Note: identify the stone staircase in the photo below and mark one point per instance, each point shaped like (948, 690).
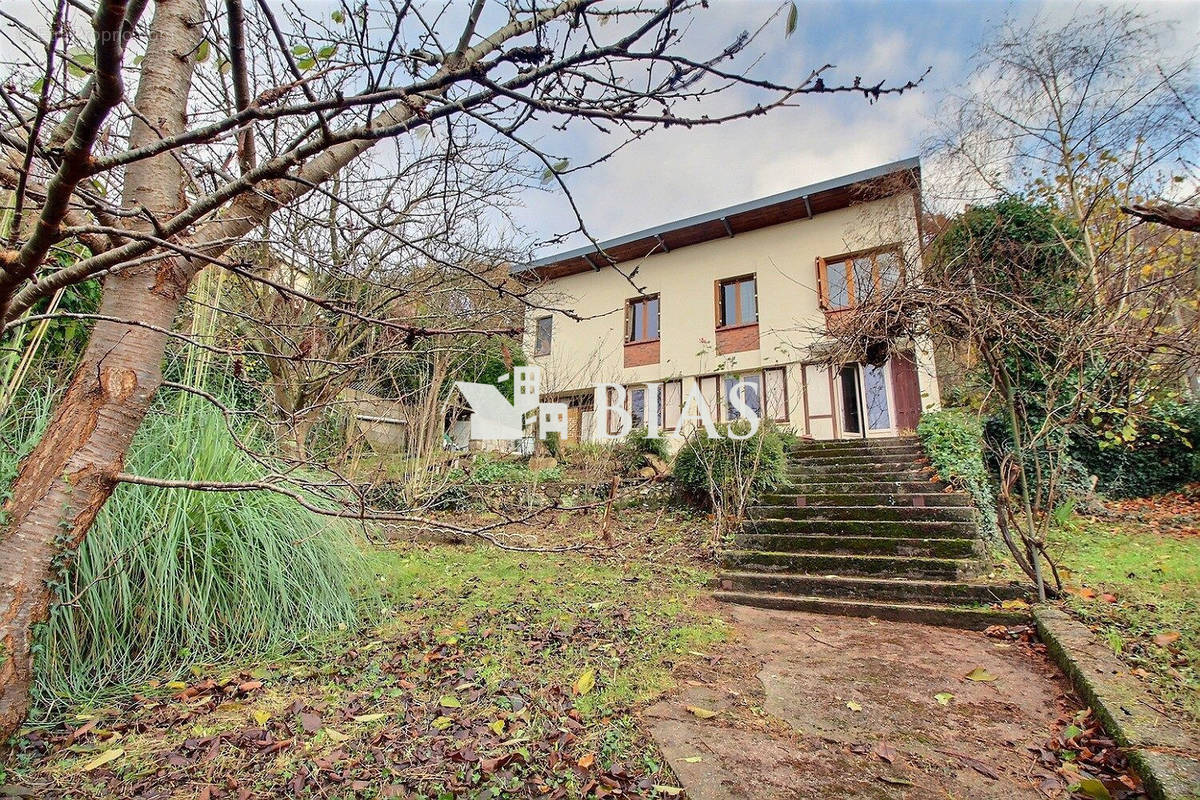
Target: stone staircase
(864, 530)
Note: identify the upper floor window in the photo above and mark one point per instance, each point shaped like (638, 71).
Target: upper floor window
(847, 281)
(541, 339)
(641, 319)
(737, 302)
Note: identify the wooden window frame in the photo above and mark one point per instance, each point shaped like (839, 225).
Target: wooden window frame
(644, 302)
(851, 291)
(782, 370)
(537, 329)
(719, 296)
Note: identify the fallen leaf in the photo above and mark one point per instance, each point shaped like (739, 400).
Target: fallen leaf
(886, 752)
(585, 682)
(310, 722)
(693, 759)
(449, 701)
(441, 723)
(336, 736)
(103, 758)
(979, 674)
(943, 698)
(1166, 638)
(853, 706)
(497, 726)
(261, 717)
(672, 791)
(587, 760)
(371, 717)
(702, 713)
(1093, 789)
(1014, 604)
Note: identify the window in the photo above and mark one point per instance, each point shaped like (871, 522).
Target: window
(641, 319)
(751, 394)
(541, 341)
(737, 302)
(672, 403)
(637, 405)
(847, 281)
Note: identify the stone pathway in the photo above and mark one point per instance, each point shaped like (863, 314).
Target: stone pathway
(788, 689)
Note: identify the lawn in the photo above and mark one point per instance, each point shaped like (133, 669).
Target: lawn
(487, 673)
(1138, 585)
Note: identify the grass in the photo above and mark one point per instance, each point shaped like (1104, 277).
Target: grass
(1153, 582)
(167, 580)
(491, 674)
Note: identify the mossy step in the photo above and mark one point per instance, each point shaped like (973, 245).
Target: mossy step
(837, 486)
(950, 616)
(859, 473)
(860, 545)
(832, 564)
(922, 529)
(881, 513)
(837, 444)
(888, 457)
(895, 500)
(869, 588)
(874, 465)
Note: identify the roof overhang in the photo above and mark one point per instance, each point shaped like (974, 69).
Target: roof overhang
(898, 177)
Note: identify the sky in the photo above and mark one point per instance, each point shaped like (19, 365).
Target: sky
(676, 173)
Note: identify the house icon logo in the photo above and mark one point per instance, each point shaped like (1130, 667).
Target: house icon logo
(494, 417)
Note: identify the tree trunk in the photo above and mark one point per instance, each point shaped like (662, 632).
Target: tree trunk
(68, 477)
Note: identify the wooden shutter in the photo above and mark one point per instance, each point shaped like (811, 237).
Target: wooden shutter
(774, 390)
(822, 283)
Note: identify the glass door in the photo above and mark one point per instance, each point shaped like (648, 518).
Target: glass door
(865, 395)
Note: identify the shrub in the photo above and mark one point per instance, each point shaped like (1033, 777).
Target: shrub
(953, 440)
(731, 470)
(168, 579)
(1160, 454)
(631, 451)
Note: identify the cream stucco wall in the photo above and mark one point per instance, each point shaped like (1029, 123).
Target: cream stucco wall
(783, 257)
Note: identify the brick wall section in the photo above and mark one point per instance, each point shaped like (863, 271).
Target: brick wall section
(639, 354)
(737, 340)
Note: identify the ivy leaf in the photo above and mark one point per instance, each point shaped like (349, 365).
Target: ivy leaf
(980, 674)
(306, 64)
(326, 53)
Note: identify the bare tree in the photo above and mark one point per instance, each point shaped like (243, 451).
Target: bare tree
(162, 135)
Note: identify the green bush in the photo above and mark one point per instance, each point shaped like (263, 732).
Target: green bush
(169, 579)
(953, 440)
(631, 451)
(489, 470)
(756, 463)
(1158, 455)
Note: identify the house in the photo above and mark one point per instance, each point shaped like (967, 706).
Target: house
(742, 293)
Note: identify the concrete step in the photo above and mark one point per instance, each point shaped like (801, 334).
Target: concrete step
(879, 513)
(861, 545)
(884, 457)
(858, 474)
(895, 500)
(967, 617)
(876, 469)
(920, 529)
(829, 445)
(834, 564)
(837, 485)
(868, 588)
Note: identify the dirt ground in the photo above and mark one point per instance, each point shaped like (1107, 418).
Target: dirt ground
(811, 706)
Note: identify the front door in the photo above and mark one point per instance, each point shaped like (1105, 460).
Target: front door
(865, 401)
